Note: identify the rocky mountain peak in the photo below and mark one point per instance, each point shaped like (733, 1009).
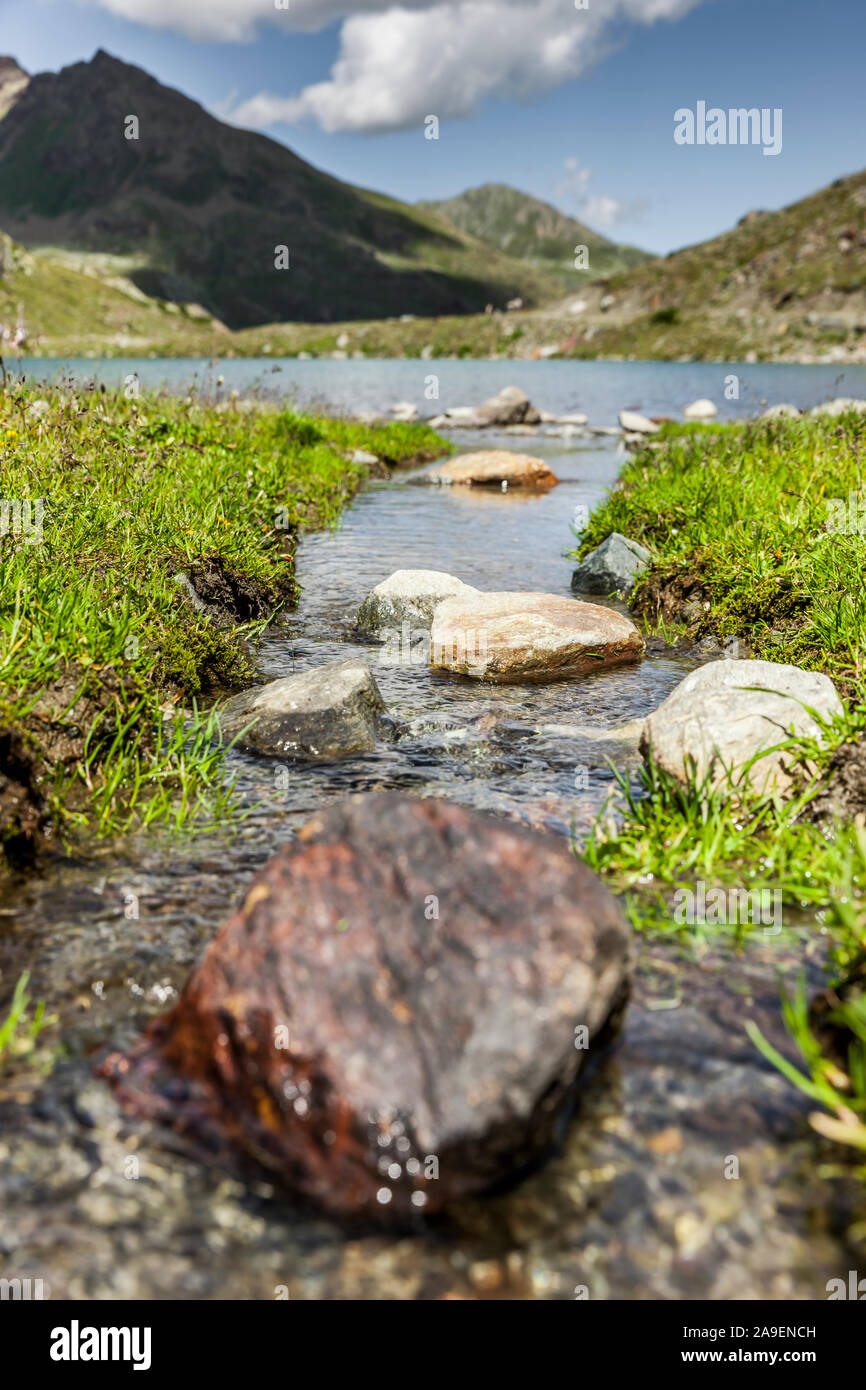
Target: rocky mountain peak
(13, 80)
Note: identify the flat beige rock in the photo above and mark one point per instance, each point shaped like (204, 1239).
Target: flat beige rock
(493, 467)
(529, 637)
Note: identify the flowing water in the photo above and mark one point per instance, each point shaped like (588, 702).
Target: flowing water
(689, 1171)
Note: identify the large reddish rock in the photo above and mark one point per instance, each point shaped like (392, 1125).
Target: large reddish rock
(396, 1016)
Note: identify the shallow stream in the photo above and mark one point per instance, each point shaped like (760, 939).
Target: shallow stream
(642, 1201)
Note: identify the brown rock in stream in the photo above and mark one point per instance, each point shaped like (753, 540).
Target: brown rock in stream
(514, 637)
(390, 1022)
(493, 467)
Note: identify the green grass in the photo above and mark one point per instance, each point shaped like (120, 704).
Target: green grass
(742, 511)
(738, 515)
(841, 1090)
(99, 647)
(737, 519)
(20, 1030)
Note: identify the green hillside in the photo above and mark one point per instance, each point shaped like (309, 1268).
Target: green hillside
(518, 225)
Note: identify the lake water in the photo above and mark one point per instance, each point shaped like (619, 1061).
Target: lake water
(600, 389)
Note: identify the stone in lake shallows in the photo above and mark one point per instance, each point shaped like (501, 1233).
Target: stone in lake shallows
(529, 637)
(700, 410)
(408, 596)
(784, 411)
(395, 1017)
(717, 720)
(633, 423)
(493, 467)
(612, 567)
(842, 405)
(326, 713)
(509, 407)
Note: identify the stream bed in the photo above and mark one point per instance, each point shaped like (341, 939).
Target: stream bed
(689, 1170)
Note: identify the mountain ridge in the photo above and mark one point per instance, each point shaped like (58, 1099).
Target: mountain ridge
(205, 214)
(521, 225)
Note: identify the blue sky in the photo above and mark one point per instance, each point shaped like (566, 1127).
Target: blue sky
(576, 107)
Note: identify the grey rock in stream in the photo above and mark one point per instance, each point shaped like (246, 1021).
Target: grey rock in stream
(612, 567)
(408, 596)
(510, 406)
(721, 717)
(330, 712)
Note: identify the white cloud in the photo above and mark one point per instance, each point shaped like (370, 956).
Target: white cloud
(231, 21)
(600, 210)
(596, 209)
(399, 63)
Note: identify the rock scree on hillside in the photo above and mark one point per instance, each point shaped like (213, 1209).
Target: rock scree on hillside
(493, 467)
(395, 1017)
(724, 714)
(530, 637)
(329, 712)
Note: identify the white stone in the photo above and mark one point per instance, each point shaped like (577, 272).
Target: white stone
(700, 410)
(633, 423)
(840, 406)
(530, 637)
(724, 714)
(408, 596)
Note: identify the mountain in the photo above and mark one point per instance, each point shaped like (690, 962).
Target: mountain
(780, 284)
(194, 210)
(523, 227)
(13, 80)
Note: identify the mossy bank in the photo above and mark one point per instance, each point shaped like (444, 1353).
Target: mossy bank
(142, 542)
(758, 549)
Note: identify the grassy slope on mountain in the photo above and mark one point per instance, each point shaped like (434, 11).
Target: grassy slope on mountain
(201, 207)
(72, 308)
(776, 283)
(782, 286)
(524, 227)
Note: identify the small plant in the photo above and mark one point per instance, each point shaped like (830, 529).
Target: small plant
(18, 1033)
(841, 1090)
